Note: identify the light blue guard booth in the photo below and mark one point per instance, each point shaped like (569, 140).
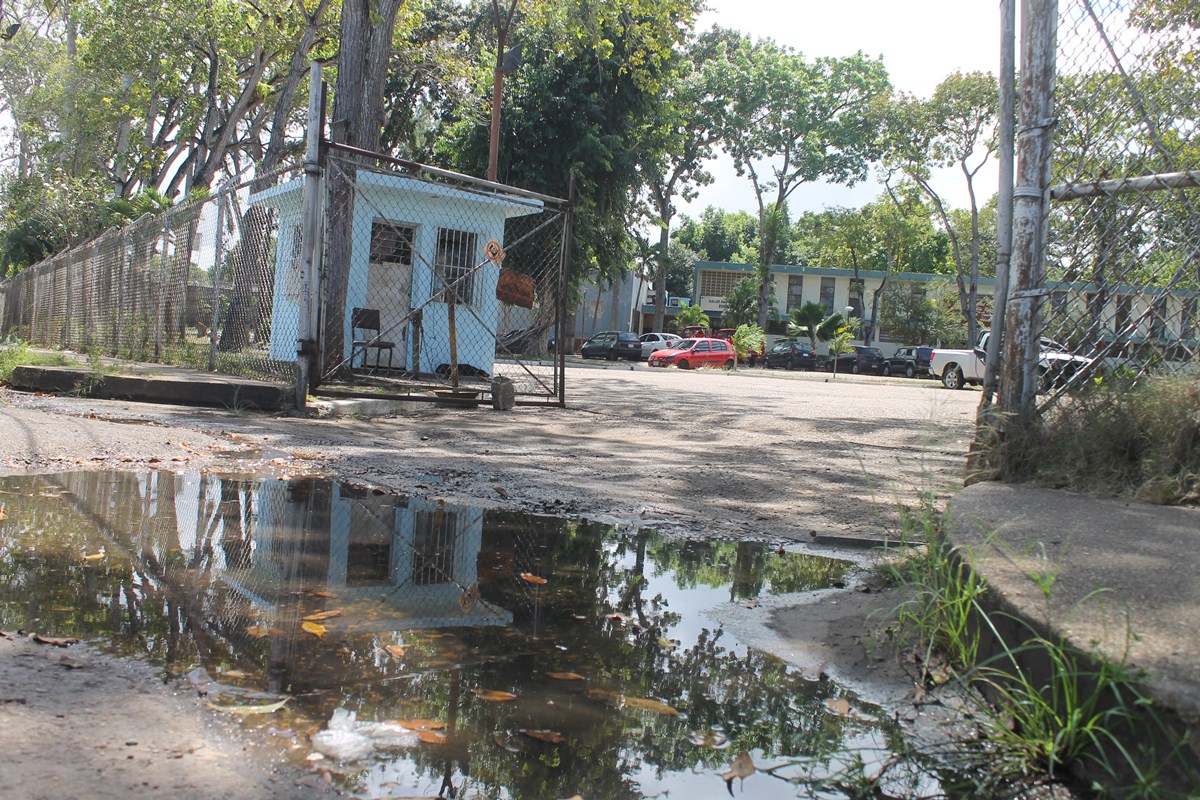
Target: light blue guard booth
(405, 233)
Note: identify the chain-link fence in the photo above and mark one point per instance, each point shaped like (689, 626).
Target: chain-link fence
(1114, 87)
(437, 285)
(193, 286)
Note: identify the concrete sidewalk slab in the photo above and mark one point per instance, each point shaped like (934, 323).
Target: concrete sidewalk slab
(1113, 577)
(161, 384)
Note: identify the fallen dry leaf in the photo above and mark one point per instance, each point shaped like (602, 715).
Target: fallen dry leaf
(553, 737)
(500, 492)
(3, 514)
(322, 615)
(493, 696)
(66, 642)
(420, 724)
(650, 705)
(5, 635)
(394, 650)
(839, 706)
(531, 578)
(94, 557)
(236, 674)
(565, 676)
(266, 708)
(325, 594)
(432, 737)
(316, 629)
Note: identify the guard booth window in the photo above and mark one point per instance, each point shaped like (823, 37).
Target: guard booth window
(457, 257)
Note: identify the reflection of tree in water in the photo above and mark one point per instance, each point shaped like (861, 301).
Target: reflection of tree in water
(183, 558)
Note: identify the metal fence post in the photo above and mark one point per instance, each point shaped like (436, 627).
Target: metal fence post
(218, 257)
(1004, 201)
(306, 341)
(1039, 41)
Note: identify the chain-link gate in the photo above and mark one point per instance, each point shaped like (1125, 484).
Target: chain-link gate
(1109, 296)
(438, 286)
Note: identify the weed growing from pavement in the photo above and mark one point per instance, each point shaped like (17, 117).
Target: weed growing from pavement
(1118, 439)
(18, 353)
(1050, 705)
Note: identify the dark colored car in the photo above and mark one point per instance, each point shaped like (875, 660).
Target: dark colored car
(613, 345)
(860, 359)
(787, 354)
(911, 361)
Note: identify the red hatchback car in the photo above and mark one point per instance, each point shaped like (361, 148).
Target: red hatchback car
(696, 352)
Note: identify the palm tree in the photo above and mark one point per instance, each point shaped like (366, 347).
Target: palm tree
(691, 315)
(812, 319)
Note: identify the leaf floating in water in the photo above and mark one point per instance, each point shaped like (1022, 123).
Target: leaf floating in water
(67, 642)
(325, 594)
(394, 650)
(236, 674)
(529, 577)
(742, 767)
(432, 737)
(650, 705)
(3, 514)
(603, 694)
(493, 696)
(268, 708)
(565, 676)
(552, 737)
(421, 724)
(322, 615)
(94, 557)
(619, 617)
(708, 738)
(316, 629)
(258, 631)
(839, 706)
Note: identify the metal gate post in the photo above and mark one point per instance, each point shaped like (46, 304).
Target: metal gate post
(1039, 44)
(306, 340)
(218, 257)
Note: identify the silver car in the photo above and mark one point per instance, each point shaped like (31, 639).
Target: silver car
(657, 341)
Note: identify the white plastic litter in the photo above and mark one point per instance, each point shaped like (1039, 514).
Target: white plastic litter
(346, 739)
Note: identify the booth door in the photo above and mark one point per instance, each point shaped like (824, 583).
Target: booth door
(389, 282)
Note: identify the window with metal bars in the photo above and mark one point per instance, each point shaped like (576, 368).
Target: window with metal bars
(795, 295)
(391, 243)
(457, 257)
(433, 547)
(719, 284)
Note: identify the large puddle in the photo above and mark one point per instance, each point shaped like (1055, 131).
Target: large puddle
(443, 650)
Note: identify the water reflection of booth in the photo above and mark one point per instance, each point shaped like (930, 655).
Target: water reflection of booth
(392, 566)
(409, 237)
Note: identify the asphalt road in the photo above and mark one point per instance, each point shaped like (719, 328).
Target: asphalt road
(768, 454)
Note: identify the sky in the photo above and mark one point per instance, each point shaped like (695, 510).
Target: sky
(920, 41)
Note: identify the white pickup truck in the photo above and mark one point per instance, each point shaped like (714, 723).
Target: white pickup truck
(957, 368)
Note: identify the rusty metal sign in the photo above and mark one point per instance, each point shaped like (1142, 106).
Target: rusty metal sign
(515, 288)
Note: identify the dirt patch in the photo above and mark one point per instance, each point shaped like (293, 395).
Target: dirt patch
(74, 723)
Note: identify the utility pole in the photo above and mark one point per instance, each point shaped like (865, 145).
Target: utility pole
(506, 64)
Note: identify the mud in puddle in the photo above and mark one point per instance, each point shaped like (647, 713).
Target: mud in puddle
(408, 647)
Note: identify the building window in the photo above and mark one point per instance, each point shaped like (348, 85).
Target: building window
(455, 264)
(856, 299)
(1158, 318)
(1123, 310)
(827, 286)
(391, 243)
(1187, 319)
(795, 295)
(720, 283)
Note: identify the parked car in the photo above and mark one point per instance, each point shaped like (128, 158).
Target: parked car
(790, 354)
(912, 361)
(858, 360)
(694, 332)
(515, 342)
(652, 342)
(1057, 365)
(613, 345)
(753, 358)
(693, 353)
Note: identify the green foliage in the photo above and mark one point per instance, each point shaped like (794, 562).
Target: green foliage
(748, 339)
(741, 306)
(691, 315)
(719, 235)
(18, 353)
(814, 321)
